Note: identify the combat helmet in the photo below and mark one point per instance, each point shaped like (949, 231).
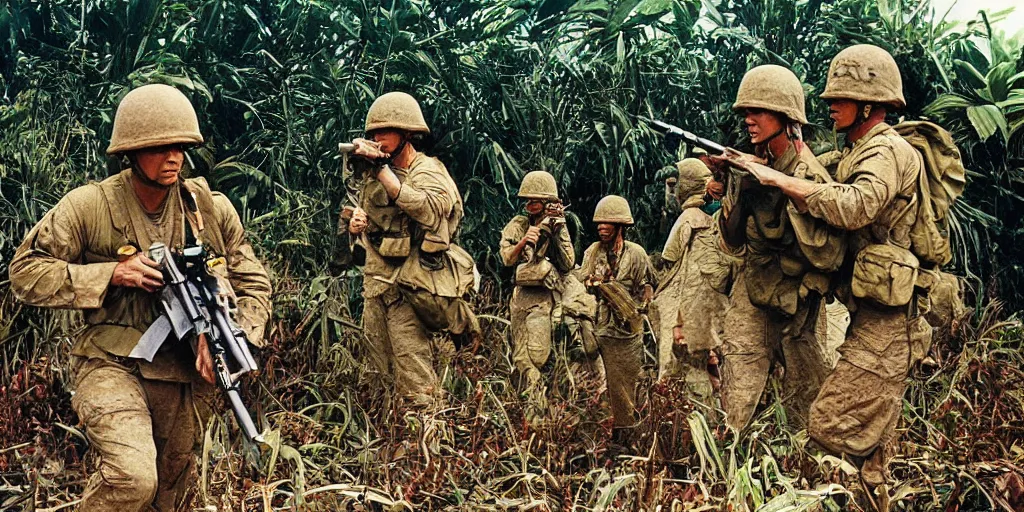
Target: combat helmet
(865, 73)
(613, 210)
(693, 177)
(153, 115)
(774, 88)
(539, 185)
(398, 111)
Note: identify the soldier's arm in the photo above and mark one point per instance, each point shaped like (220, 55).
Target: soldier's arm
(47, 269)
(587, 268)
(859, 202)
(565, 254)
(510, 246)
(247, 275)
(425, 197)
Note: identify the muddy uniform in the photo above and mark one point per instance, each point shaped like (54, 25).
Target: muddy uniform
(620, 344)
(138, 416)
(876, 182)
(776, 300)
(414, 276)
(534, 304)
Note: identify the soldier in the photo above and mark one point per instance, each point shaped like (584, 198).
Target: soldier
(682, 284)
(402, 231)
(538, 245)
(138, 416)
(619, 273)
(858, 406)
(775, 302)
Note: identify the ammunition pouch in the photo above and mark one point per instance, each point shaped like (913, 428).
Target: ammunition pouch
(885, 274)
(538, 272)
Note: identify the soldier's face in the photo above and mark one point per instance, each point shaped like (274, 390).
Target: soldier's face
(762, 124)
(607, 232)
(161, 164)
(389, 140)
(843, 113)
(534, 206)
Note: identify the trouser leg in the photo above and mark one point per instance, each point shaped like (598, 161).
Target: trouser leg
(859, 404)
(111, 403)
(412, 353)
(805, 363)
(175, 431)
(622, 362)
(746, 356)
(377, 343)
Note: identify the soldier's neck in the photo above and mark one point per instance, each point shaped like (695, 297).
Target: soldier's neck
(777, 147)
(876, 117)
(151, 198)
(405, 158)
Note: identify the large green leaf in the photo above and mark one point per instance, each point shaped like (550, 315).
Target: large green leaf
(987, 119)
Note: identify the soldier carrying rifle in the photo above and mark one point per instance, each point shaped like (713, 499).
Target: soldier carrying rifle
(84, 254)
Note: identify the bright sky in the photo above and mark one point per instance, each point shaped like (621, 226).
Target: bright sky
(966, 10)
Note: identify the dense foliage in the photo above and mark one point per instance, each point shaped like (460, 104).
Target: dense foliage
(508, 86)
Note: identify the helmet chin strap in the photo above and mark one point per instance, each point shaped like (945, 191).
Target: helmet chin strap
(138, 174)
(401, 147)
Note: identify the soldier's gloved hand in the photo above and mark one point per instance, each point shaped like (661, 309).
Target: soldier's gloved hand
(138, 272)
(369, 149)
(532, 235)
(204, 362)
(357, 223)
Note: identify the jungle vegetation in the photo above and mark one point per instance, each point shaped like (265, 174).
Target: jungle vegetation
(507, 86)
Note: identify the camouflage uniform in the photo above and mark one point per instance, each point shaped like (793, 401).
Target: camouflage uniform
(775, 302)
(399, 339)
(619, 342)
(534, 305)
(691, 295)
(859, 404)
(415, 276)
(138, 416)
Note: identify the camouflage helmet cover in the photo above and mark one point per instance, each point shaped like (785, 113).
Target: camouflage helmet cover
(866, 73)
(153, 115)
(397, 111)
(774, 88)
(613, 210)
(539, 185)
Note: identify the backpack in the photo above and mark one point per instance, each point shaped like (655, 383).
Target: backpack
(940, 183)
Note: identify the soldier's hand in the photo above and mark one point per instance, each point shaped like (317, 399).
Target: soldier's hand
(677, 334)
(368, 149)
(715, 189)
(358, 222)
(532, 235)
(138, 272)
(204, 362)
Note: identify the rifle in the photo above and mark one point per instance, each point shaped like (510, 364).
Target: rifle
(674, 135)
(194, 303)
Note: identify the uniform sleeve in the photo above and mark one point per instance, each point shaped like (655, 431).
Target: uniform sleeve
(565, 253)
(859, 202)
(245, 272)
(510, 236)
(426, 198)
(587, 268)
(674, 248)
(46, 269)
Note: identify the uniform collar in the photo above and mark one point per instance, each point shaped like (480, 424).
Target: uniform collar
(875, 130)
